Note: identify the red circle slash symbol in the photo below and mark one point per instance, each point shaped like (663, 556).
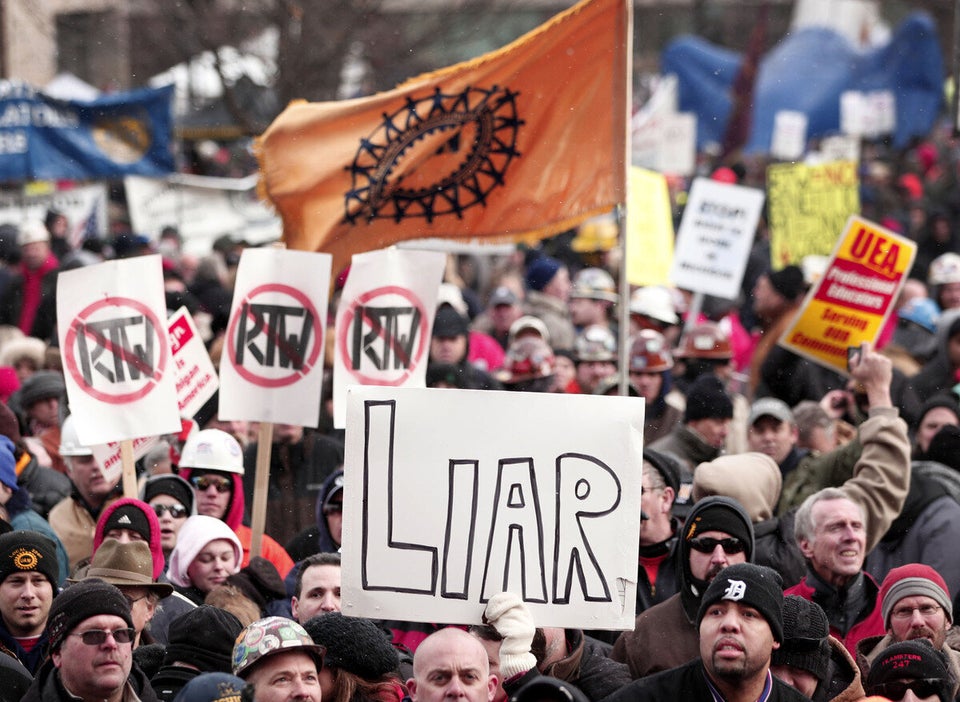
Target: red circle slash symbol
(116, 350)
(276, 331)
(382, 336)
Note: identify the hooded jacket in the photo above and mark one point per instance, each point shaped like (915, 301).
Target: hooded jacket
(675, 620)
(156, 551)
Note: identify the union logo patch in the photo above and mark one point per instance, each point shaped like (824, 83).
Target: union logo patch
(26, 559)
(437, 155)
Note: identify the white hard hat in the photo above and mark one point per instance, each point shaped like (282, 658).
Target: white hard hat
(945, 269)
(214, 450)
(32, 231)
(655, 302)
(69, 441)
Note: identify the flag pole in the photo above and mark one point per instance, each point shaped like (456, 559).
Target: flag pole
(621, 210)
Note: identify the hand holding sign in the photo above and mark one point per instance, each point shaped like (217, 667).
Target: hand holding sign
(507, 614)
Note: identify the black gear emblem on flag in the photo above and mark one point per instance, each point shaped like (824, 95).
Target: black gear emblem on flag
(479, 129)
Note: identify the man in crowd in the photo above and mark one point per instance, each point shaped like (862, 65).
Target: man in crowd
(28, 583)
(34, 286)
(129, 566)
(74, 519)
(740, 623)
(596, 357)
(317, 589)
(452, 664)
(915, 604)
(659, 554)
(548, 290)
(717, 534)
(91, 649)
(288, 671)
(592, 298)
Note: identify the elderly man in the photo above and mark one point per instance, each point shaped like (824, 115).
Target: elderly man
(740, 624)
(91, 649)
(452, 664)
(28, 583)
(915, 604)
(717, 534)
(290, 671)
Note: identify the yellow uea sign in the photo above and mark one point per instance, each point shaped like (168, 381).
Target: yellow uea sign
(850, 303)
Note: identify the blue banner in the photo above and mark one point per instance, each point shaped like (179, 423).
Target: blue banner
(116, 135)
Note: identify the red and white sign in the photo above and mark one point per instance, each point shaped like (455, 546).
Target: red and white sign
(116, 352)
(196, 377)
(109, 456)
(272, 364)
(384, 322)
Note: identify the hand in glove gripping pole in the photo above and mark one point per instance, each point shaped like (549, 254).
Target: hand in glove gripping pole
(507, 613)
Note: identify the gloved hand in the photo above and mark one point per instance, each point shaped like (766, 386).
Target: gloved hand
(507, 613)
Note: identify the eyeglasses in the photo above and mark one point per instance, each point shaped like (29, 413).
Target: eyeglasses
(926, 611)
(921, 687)
(176, 511)
(202, 482)
(97, 637)
(707, 544)
(133, 600)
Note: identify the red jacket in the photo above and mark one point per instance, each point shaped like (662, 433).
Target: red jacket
(871, 625)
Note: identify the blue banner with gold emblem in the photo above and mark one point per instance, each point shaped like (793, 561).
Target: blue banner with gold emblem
(120, 134)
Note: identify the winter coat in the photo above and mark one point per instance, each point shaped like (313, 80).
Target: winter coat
(47, 687)
(689, 684)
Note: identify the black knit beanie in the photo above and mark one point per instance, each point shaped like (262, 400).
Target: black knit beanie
(87, 598)
(357, 645)
(706, 399)
(666, 466)
(719, 517)
(203, 637)
(752, 585)
(130, 517)
(788, 281)
(172, 485)
(907, 660)
(22, 551)
(805, 643)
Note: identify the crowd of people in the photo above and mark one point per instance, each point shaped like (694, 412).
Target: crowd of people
(796, 526)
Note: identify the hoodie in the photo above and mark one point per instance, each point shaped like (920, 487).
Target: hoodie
(156, 551)
(938, 374)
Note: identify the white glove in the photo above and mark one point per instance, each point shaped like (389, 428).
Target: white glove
(507, 613)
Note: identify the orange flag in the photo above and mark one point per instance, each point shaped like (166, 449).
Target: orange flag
(517, 144)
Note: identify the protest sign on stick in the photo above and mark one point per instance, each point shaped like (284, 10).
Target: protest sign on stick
(852, 300)
(452, 496)
(272, 365)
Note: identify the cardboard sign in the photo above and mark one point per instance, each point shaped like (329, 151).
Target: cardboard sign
(715, 237)
(196, 377)
(384, 322)
(868, 114)
(789, 139)
(851, 302)
(272, 364)
(808, 206)
(452, 496)
(649, 232)
(116, 351)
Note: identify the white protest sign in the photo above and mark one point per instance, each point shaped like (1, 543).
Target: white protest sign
(202, 208)
(116, 351)
(451, 496)
(715, 237)
(110, 459)
(839, 147)
(196, 377)
(869, 114)
(272, 364)
(789, 139)
(384, 321)
(678, 147)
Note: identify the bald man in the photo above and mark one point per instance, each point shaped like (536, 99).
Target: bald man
(452, 663)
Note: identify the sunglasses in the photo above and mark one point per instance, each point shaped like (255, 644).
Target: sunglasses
(96, 637)
(921, 687)
(202, 482)
(707, 544)
(176, 511)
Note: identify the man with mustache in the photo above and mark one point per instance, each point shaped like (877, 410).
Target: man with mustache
(717, 533)
(915, 604)
(740, 624)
